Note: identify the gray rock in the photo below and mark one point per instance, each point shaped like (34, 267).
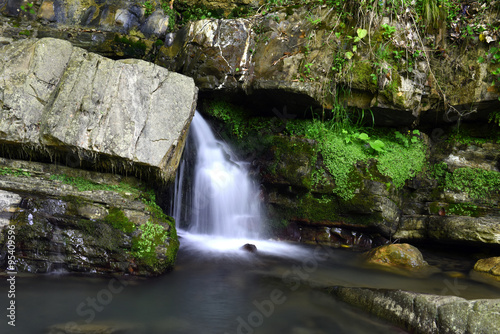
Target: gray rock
(73, 220)
(423, 313)
(156, 24)
(128, 114)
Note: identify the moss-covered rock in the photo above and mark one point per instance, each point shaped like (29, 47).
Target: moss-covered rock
(80, 221)
(423, 313)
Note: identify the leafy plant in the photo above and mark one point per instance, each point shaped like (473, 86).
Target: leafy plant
(388, 31)
(361, 34)
(18, 172)
(149, 8)
(28, 8)
(151, 236)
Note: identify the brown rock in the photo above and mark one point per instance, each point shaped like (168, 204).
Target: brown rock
(46, 11)
(397, 255)
(489, 266)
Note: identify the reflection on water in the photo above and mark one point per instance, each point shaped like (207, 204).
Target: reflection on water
(224, 292)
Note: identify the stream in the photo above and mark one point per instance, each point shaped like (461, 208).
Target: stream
(217, 287)
(225, 290)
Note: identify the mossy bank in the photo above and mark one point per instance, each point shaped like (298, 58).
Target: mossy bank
(85, 222)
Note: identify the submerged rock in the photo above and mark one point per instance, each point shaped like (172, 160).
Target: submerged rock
(60, 101)
(251, 248)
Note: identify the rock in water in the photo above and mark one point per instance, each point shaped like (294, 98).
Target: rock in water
(126, 115)
(397, 255)
(489, 266)
(251, 248)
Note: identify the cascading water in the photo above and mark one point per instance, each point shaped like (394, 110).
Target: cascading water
(216, 204)
(222, 200)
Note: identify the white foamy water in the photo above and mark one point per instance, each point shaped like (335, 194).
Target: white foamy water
(218, 245)
(223, 200)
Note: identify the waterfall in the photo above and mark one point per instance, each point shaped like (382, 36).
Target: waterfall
(214, 195)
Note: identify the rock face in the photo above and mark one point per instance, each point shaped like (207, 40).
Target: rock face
(455, 199)
(77, 221)
(426, 314)
(459, 203)
(61, 101)
(301, 56)
(397, 255)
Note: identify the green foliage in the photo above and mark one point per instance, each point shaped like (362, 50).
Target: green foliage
(230, 114)
(136, 48)
(495, 118)
(15, 172)
(152, 235)
(28, 8)
(388, 32)
(431, 12)
(118, 220)
(154, 209)
(477, 183)
(462, 209)
(25, 33)
(149, 8)
(341, 150)
(405, 140)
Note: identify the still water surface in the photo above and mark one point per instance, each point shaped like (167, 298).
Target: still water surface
(217, 288)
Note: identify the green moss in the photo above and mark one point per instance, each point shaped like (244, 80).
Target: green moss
(458, 209)
(294, 159)
(145, 246)
(343, 149)
(131, 47)
(463, 209)
(83, 184)
(362, 73)
(475, 182)
(118, 220)
(318, 208)
(401, 163)
(14, 172)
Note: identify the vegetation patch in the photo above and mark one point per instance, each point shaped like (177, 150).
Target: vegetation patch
(118, 220)
(475, 182)
(83, 184)
(398, 156)
(14, 172)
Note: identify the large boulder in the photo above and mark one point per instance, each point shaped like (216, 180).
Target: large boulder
(70, 220)
(125, 115)
(423, 313)
(396, 255)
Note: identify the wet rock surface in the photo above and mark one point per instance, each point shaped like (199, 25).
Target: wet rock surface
(423, 313)
(68, 220)
(489, 266)
(396, 255)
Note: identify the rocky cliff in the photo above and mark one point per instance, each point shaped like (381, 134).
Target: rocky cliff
(64, 105)
(390, 59)
(125, 115)
(74, 221)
